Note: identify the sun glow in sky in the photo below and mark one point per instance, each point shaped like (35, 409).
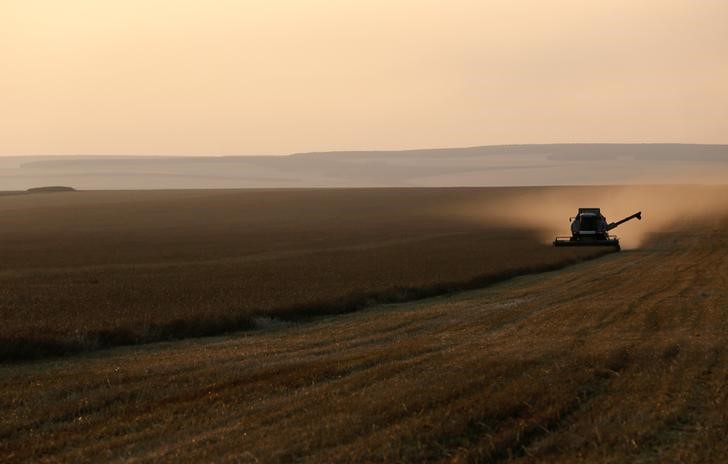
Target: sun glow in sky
(278, 76)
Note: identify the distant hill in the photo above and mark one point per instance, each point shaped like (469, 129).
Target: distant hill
(496, 165)
(50, 189)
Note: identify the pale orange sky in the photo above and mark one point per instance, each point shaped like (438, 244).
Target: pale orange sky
(277, 76)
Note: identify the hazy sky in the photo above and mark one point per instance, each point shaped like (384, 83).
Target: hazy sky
(278, 76)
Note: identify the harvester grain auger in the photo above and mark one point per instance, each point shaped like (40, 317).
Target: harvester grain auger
(590, 228)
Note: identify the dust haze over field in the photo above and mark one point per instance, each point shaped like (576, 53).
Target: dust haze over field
(548, 211)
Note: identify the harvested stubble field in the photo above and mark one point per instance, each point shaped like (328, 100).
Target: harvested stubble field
(84, 270)
(619, 359)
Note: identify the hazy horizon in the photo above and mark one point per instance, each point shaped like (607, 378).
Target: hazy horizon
(188, 77)
(509, 165)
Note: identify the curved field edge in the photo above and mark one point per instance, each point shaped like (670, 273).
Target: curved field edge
(15, 349)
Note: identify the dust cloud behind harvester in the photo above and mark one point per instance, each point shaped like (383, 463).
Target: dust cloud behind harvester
(548, 210)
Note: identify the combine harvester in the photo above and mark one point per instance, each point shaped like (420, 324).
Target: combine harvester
(590, 228)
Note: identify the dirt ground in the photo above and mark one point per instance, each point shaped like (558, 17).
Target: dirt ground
(619, 359)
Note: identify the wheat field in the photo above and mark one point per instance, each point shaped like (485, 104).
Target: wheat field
(622, 358)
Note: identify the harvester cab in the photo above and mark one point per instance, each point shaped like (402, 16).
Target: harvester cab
(590, 228)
